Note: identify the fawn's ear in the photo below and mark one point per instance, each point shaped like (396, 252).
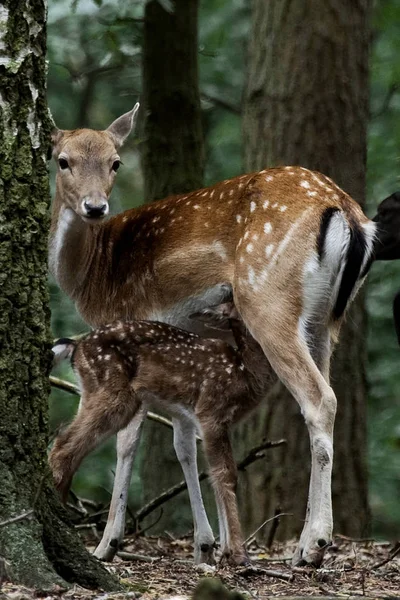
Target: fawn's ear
(216, 317)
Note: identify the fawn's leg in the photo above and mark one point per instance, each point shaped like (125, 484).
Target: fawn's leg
(186, 451)
(97, 419)
(127, 444)
(223, 475)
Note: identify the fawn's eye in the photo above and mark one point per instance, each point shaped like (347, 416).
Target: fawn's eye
(116, 165)
(63, 163)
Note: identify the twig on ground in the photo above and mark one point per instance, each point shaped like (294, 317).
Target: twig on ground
(153, 524)
(394, 552)
(252, 456)
(265, 522)
(269, 572)
(141, 557)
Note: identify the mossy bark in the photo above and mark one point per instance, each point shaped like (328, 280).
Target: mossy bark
(306, 103)
(173, 162)
(43, 550)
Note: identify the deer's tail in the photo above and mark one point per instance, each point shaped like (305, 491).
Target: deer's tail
(63, 349)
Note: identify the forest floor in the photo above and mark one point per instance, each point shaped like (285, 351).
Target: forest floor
(161, 568)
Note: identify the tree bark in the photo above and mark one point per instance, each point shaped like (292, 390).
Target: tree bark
(42, 548)
(306, 103)
(173, 162)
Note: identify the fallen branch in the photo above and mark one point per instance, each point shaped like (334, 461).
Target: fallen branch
(254, 454)
(275, 517)
(140, 557)
(394, 552)
(269, 572)
(61, 384)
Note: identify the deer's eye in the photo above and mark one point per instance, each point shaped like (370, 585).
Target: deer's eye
(63, 163)
(116, 165)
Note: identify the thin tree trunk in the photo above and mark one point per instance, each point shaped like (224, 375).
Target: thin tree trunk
(42, 548)
(306, 103)
(173, 162)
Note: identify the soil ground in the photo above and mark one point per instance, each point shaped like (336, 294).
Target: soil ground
(161, 568)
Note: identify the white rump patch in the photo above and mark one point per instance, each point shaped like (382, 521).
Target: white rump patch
(322, 278)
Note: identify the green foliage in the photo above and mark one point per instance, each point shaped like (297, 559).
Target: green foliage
(94, 76)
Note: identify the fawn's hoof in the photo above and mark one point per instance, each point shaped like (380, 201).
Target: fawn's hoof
(311, 554)
(106, 552)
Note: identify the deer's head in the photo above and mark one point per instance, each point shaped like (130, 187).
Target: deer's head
(87, 163)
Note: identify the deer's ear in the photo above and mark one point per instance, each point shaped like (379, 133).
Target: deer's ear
(56, 136)
(121, 127)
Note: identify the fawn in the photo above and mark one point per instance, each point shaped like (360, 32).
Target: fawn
(201, 382)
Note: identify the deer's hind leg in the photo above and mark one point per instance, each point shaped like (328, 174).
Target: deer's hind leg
(275, 316)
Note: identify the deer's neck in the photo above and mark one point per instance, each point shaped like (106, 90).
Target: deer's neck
(71, 247)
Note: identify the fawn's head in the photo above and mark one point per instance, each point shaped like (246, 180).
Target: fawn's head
(87, 163)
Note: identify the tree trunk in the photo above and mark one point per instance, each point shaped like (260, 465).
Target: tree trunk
(173, 162)
(42, 548)
(306, 103)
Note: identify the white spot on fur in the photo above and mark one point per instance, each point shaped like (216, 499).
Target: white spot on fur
(269, 249)
(305, 184)
(283, 208)
(252, 206)
(251, 276)
(269, 178)
(266, 204)
(249, 247)
(238, 218)
(267, 227)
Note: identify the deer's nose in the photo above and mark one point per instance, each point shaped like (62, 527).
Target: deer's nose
(100, 209)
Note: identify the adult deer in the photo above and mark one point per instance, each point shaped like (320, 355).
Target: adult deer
(292, 245)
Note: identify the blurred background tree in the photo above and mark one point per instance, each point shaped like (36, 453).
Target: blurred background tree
(95, 66)
(306, 103)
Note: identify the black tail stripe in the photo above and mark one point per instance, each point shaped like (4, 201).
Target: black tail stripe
(325, 220)
(354, 259)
